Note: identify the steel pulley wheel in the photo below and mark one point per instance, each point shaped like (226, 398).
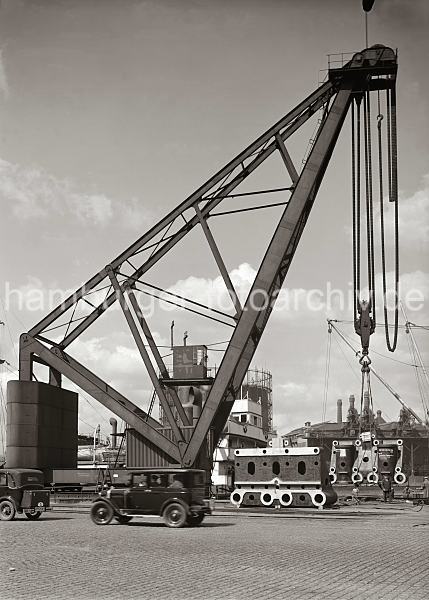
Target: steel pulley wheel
(122, 519)
(7, 510)
(101, 513)
(33, 515)
(174, 515)
(195, 519)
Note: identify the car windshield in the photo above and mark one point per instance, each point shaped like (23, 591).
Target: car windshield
(26, 479)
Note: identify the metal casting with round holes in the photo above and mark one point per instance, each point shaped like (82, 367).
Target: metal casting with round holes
(286, 499)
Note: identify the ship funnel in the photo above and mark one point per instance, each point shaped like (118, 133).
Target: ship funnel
(114, 423)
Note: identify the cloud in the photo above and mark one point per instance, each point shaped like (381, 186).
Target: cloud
(413, 220)
(4, 85)
(35, 194)
(213, 292)
(135, 216)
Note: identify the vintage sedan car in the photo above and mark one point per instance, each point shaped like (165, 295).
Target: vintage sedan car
(177, 495)
(22, 491)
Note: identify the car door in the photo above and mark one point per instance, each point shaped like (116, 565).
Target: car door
(157, 492)
(136, 500)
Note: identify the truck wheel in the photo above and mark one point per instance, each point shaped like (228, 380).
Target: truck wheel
(101, 513)
(123, 519)
(33, 515)
(7, 510)
(174, 515)
(195, 519)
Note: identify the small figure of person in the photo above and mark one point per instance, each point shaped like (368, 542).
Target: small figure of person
(407, 492)
(177, 483)
(355, 493)
(386, 487)
(426, 487)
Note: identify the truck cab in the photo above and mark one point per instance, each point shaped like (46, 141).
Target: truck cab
(22, 491)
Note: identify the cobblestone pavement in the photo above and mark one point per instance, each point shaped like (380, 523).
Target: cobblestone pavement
(350, 553)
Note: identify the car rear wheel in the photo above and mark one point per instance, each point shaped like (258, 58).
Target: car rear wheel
(101, 513)
(33, 515)
(174, 515)
(195, 519)
(122, 519)
(7, 510)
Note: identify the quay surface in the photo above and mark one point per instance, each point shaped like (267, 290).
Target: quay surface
(370, 551)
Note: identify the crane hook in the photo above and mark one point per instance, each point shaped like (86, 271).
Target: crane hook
(364, 324)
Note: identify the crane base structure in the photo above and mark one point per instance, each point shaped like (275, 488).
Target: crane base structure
(188, 436)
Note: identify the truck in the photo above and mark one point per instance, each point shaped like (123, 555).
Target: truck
(22, 491)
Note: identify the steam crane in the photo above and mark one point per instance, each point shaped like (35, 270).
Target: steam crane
(186, 439)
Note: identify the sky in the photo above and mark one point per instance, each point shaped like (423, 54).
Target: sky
(113, 112)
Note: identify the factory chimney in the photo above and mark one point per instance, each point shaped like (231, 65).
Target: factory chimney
(339, 411)
(352, 402)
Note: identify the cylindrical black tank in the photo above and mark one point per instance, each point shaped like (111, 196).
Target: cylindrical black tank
(41, 426)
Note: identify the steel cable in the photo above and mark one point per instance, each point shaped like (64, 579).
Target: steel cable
(369, 204)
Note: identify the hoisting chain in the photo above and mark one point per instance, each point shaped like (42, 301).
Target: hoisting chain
(392, 165)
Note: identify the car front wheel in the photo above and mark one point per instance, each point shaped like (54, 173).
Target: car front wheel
(33, 515)
(7, 510)
(101, 513)
(174, 515)
(195, 519)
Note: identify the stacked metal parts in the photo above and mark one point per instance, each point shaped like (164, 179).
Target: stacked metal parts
(283, 477)
(366, 460)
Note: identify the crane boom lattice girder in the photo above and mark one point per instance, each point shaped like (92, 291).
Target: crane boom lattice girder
(174, 239)
(101, 391)
(374, 68)
(286, 127)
